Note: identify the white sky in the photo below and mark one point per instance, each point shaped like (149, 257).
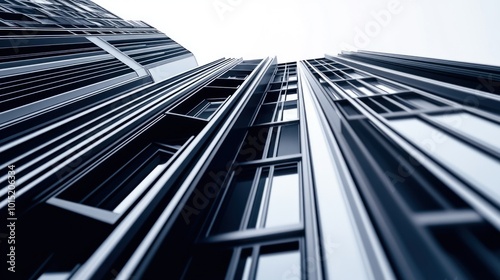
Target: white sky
(464, 30)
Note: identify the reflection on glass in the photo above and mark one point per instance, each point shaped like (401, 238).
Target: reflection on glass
(365, 90)
(291, 96)
(421, 102)
(278, 265)
(284, 201)
(292, 86)
(244, 265)
(289, 140)
(265, 114)
(355, 75)
(257, 209)
(290, 114)
(385, 88)
(246, 272)
(231, 212)
(272, 143)
(472, 126)
(479, 169)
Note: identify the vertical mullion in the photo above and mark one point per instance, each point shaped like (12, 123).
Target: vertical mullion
(261, 219)
(248, 209)
(255, 260)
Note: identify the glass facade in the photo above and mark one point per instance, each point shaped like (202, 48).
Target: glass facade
(357, 166)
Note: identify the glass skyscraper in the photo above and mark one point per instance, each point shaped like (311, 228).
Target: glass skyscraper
(124, 159)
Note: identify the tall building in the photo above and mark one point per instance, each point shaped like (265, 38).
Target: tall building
(123, 159)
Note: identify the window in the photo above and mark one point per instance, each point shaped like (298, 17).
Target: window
(106, 200)
(284, 140)
(480, 170)
(276, 265)
(472, 126)
(278, 261)
(284, 198)
(206, 108)
(290, 112)
(290, 96)
(261, 197)
(232, 210)
(274, 261)
(265, 114)
(289, 140)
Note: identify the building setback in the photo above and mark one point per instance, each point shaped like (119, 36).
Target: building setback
(124, 159)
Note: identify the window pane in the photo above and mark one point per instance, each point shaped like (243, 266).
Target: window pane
(254, 144)
(420, 102)
(244, 265)
(266, 113)
(479, 169)
(271, 96)
(255, 217)
(291, 96)
(290, 114)
(209, 110)
(384, 88)
(289, 140)
(472, 126)
(284, 200)
(278, 265)
(198, 108)
(365, 90)
(355, 75)
(231, 212)
(292, 86)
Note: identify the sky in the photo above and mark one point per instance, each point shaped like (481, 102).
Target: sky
(292, 30)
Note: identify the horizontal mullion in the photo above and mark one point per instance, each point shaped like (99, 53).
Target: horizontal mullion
(72, 76)
(9, 103)
(250, 236)
(145, 55)
(164, 57)
(54, 73)
(46, 54)
(447, 218)
(58, 77)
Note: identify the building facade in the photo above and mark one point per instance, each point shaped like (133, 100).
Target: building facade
(123, 159)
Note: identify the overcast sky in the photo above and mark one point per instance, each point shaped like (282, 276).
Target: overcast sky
(462, 30)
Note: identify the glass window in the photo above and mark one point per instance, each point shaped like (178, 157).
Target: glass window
(472, 126)
(254, 144)
(290, 114)
(284, 200)
(421, 102)
(291, 96)
(244, 265)
(384, 88)
(365, 90)
(289, 140)
(349, 90)
(355, 75)
(477, 168)
(278, 265)
(292, 86)
(265, 114)
(229, 217)
(205, 109)
(257, 209)
(271, 96)
(55, 276)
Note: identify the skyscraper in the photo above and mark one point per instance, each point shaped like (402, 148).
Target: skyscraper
(123, 159)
